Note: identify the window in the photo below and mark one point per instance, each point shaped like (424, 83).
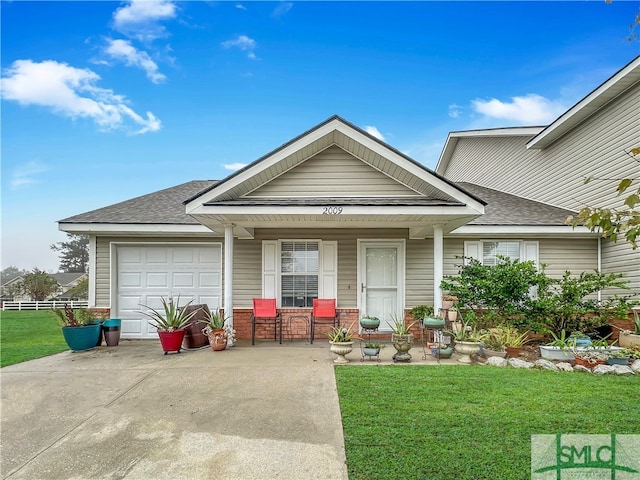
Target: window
(299, 261)
(487, 251)
(492, 250)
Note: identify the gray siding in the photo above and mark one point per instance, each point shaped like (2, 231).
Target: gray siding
(332, 172)
(555, 175)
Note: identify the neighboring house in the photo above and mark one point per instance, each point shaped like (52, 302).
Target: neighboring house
(336, 213)
(549, 165)
(66, 281)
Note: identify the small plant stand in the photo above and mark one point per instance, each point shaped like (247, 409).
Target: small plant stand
(434, 335)
(369, 352)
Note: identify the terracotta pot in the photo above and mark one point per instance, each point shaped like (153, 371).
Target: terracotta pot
(171, 341)
(589, 364)
(218, 340)
(513, 352)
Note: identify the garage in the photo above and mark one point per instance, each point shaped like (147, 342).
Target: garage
(146, 273)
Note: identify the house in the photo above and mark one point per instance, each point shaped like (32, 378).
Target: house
(12, 291)
(337, 213)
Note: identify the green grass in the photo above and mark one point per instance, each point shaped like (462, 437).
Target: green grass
(29, 334)
(457, 422)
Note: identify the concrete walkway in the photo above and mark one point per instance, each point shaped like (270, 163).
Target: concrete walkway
(263, 412)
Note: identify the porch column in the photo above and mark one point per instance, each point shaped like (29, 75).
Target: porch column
(228, 273)
(438, 267)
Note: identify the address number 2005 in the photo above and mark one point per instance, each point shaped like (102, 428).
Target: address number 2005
(332, 210)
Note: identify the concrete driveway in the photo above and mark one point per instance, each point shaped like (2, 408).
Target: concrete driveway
(263, 412)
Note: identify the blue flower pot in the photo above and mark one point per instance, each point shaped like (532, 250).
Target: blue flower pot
(80, 338)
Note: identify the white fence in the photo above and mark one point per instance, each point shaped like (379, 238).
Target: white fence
(44, 305)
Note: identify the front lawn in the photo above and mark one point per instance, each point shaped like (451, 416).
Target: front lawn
(29, 334)
(470, 422)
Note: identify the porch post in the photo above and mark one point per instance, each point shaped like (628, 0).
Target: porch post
(228, 273)
(438, 267)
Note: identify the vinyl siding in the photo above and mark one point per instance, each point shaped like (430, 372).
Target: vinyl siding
(331, 173)
(418, 272)
(555, 175)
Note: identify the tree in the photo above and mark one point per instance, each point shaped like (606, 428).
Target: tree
(613, 222)
(74, 253)
(39, 284)
(11, 272)
(81, 290)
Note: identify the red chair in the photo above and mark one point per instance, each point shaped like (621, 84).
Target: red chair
(324, 313)
(264, 312)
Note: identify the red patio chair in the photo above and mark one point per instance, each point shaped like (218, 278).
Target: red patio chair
(324, 313)
(264, 312)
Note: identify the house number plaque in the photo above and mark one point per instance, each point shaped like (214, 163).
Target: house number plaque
(332, 210)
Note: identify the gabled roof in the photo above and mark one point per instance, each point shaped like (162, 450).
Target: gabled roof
(621, 81)
(65, 279)
(454, 137)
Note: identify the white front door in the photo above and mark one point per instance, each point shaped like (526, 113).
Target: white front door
(381, 279)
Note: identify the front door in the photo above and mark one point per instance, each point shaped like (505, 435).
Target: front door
(381, 280)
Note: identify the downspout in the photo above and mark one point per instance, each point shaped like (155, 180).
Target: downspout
(438, 267)
(92, 272)
(599, 265)
(228, 274)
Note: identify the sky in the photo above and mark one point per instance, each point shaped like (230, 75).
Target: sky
(105, 101)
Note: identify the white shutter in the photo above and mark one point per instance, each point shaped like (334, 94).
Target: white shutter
(328, 285)
(473, 250)
(530, 252)
(270, 269)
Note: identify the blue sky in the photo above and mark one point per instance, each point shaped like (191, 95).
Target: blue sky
(105, 101)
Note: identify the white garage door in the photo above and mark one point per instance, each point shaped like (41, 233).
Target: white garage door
(147, 273)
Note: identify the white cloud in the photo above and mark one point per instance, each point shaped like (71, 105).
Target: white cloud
(374, 132)
(123, 51)
(71, 92)
(282, 9)
(239, 6)
(139, 19)
(455, 110)
(244, 43)
(27, 174)
(234, 166)
(531, 109)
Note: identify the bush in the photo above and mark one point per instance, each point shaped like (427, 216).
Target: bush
(515, 293)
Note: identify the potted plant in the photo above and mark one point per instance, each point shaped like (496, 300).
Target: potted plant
(402, 339)
(629, 338)
(621, 357)
(369, 322)
(590, 358)
(559, 349)
(448, 301)
(420, 312)
(170, 323)
(341, 342)
(214, 330)
(441, 350)
(371, 349)
(79, 329)
(468, 341)
(452, 314)
(512, 340)
(492, 345)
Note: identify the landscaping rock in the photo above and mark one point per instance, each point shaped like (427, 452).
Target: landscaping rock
(497, 362)
(622, 370)
(564, 366)
(517, 363)
(546, 365)
(603, 370)
(581, 368)
(635, 366)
